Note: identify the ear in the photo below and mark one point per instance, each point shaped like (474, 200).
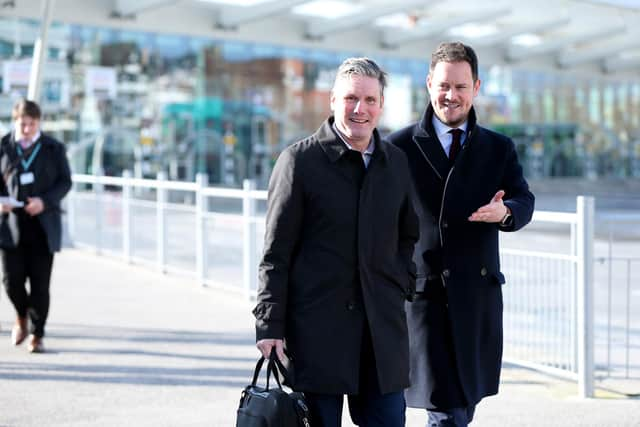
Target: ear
(429, 83)
(381, 101)
(332, 101)
(476, 88)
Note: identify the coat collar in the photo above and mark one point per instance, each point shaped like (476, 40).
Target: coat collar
(334, 148)
(424, 127)
(426, 138)
(42, 139)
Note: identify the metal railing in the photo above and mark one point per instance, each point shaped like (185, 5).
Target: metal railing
(548, 298)
(617, 335)
(176, 226)
(215, 235)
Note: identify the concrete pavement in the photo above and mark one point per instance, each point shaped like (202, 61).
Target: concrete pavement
(130, 346)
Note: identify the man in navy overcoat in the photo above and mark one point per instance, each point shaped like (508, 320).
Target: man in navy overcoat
(468, 187)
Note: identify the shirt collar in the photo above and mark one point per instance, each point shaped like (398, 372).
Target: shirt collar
(31, 142)
(370, 147)
(442, 129)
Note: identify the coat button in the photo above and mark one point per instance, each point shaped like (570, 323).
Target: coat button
(350, 306)
(446, 272)
(483, 271)
(445, 224)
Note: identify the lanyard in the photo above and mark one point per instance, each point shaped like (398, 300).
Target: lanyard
(34, 153)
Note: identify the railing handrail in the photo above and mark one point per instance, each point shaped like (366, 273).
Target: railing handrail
(555, 217)
(233, 193)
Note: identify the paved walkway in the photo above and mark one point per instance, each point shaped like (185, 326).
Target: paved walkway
(128, 346)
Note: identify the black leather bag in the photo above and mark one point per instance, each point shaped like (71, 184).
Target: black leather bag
(271, 407)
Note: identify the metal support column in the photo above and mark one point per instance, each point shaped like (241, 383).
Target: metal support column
(40, 52)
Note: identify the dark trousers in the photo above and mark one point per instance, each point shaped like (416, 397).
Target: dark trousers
(18, 265)
(373, 410)
(454, 417)
(369, 408)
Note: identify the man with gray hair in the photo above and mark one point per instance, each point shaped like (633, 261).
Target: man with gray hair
(337, 262)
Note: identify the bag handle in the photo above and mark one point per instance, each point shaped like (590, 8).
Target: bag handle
(272, 369)
(280, 367)
(273, 366)
(256, 372)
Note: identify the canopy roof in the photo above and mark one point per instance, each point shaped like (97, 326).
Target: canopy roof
(574, 36)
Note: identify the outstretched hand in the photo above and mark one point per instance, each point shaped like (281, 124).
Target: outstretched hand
(494, 211)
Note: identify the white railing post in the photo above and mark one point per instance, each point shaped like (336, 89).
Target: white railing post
(249, 261)
(585, 233)
(201, 241)
(161, 223)
(127, 229)
(98, 192)
(573, 327)
(71, 214)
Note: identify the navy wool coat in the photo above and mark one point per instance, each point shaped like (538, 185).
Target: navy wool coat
(337, 263)
(455, 322)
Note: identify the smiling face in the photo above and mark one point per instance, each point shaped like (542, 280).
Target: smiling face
(452, 89)
(356, 102)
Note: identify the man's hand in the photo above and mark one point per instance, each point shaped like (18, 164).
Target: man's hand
(266, 345)
(492, 212)
(5, 208)
(34, 206)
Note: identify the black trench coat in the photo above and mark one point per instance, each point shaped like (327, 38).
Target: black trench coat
(51, 184)
(455, 322)
(337, 256)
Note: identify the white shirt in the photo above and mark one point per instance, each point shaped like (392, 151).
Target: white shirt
(446, 139)
(26, 144)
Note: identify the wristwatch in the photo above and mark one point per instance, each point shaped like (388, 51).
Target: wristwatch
(506, 218)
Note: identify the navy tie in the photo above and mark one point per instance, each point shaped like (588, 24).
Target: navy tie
(455, 143)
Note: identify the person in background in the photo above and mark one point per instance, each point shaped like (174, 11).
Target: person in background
(468, 187)
(35, 178)
(337, 262)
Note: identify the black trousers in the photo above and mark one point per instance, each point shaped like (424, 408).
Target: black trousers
(31, 262)
(369, 408)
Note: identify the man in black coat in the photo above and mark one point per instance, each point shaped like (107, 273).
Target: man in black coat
(35, 178)
(337, 260)
(468, 186)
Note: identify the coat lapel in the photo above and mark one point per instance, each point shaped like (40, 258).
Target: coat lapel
(428, 144)
(335, 149)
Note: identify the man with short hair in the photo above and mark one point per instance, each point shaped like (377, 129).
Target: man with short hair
(35, 178)
(337, 260)
(468, 186)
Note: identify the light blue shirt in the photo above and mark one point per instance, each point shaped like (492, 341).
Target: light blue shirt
(445, 138)
(366, 155)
